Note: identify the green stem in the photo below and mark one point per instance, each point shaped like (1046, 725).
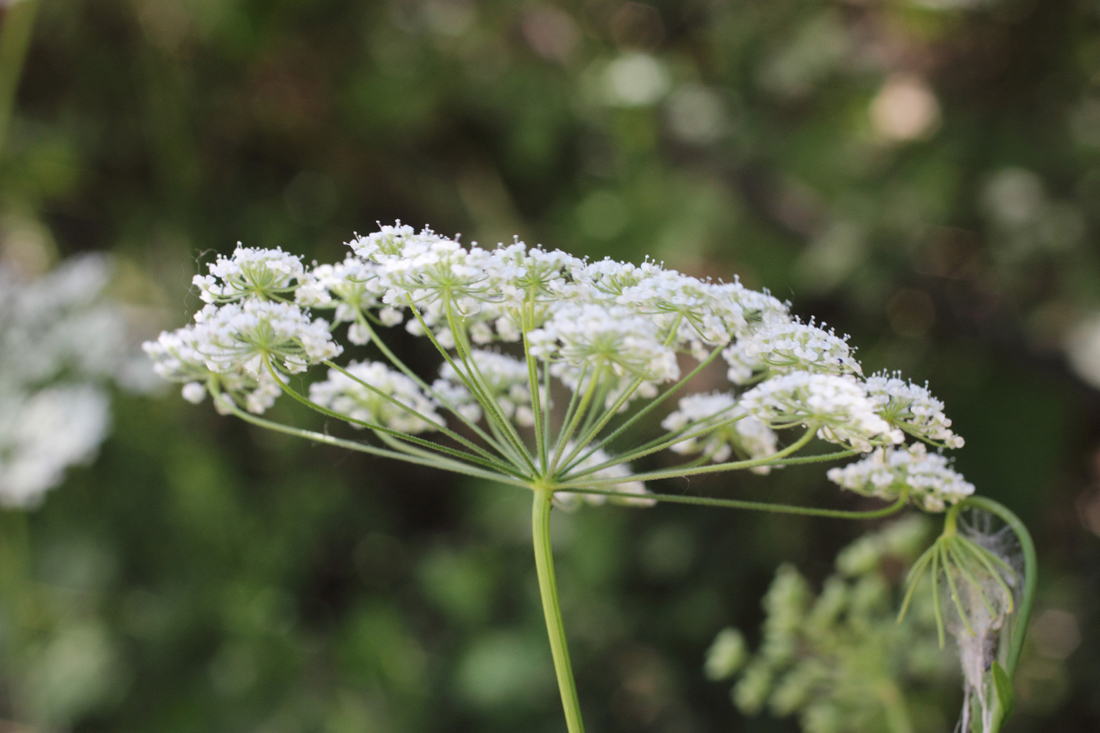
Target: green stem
(1031, 571)
(752, 505)
(548, 589)
(404, 369)
(438, 462)
(382, 429)
(772, 460)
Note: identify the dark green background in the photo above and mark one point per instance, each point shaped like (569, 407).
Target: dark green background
(241, 581)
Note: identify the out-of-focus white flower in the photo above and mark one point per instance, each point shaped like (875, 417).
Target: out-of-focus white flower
(913, 409)
(633, 491)
(249, 272)
(506, 381)
(839, 406)
(43, 433)
(1083, 349)
(783, 348)
(926, 477)
(734, 429)
(391, 400)
(61, 343)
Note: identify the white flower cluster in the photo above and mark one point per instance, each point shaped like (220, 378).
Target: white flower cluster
(250, 272)
(609, 332)
(786, 348)
(61, 344)
(718, 427)
(838, 406)
(927, 478)
(913, 409)
(247, 334)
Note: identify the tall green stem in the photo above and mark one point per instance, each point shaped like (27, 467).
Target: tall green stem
(548, 589)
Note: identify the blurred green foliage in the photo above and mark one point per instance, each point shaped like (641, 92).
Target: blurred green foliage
(923, 173)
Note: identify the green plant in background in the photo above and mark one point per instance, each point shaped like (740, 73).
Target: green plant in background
(848, 661)
(840, 661)
(606, 339)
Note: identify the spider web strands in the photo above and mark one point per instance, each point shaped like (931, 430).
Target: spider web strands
(363, 320)
(496, 466)
(649, 407)
(434, 462)
(897, 506)
(1027, 594)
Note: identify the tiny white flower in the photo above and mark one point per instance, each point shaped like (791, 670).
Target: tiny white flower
(926, 477)
(194, 392)
(735, 430)
(391, 400)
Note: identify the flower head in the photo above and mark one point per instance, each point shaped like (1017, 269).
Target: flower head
(927, 478)
(838, 406)
(913, 409)
(249, 272)
(783, 348)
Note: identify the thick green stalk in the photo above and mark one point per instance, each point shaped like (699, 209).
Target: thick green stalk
(548, 589)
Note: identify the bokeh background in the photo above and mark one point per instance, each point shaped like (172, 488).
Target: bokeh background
(921, 174)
